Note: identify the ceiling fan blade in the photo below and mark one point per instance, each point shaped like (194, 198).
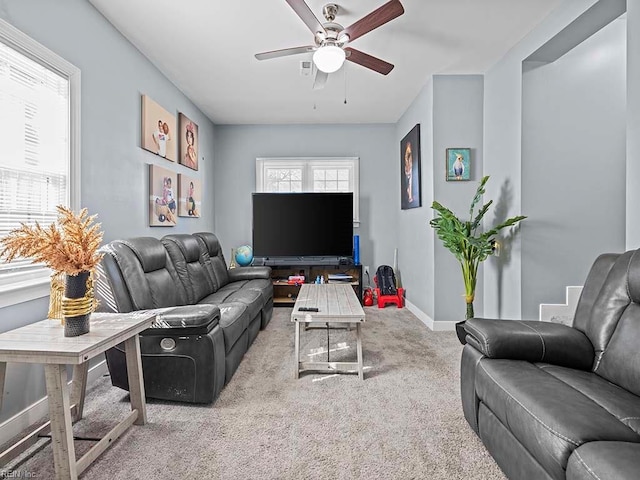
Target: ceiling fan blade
(284, 52)
(375, 19)
(320, 80)
(306, 15)
(366, 60)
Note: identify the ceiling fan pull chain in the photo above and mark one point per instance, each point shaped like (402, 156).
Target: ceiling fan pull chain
(345, 83)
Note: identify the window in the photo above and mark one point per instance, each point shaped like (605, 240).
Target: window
(39, 149)
(310, 175)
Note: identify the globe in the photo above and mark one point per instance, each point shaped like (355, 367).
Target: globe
(244, 255)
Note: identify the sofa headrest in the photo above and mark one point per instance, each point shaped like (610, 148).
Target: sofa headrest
(633, 277)
(188, 245)
(211, 241)
(150, 252)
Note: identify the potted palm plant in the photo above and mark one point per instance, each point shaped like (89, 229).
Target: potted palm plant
(466, 241)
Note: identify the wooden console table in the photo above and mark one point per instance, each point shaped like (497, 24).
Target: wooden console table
(44, 342)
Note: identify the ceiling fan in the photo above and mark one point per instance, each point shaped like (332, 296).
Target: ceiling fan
(330, 50)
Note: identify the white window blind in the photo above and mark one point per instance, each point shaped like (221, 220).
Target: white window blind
(39, 149)
(34, 144)
(310, 175)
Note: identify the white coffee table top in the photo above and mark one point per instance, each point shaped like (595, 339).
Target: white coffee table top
(335, 303)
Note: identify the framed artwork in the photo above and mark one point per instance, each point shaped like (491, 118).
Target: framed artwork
(188, 142)
(158, 129)
(458, 164)
(410, 170)
(162, 199)
(189, 196)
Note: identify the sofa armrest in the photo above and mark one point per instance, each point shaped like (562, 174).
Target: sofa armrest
(531, 341)
(185, 320)
(249, 273)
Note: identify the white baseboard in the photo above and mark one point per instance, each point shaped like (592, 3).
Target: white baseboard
(24, 419)
(428, 321)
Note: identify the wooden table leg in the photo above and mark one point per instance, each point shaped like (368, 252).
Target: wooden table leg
(136, 379)
(79, 388)
(64, 454)
(359, 347)
(296, 371)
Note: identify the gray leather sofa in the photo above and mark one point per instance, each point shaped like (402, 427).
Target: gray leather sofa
(193, 349)
(551, 401)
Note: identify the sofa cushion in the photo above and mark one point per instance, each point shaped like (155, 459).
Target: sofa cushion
(251, 298)
(148, 272)
(215, 263)
(604, 460)
(188, 260)
(620, 358)
(549, 417)
(265, 287)
(234, 320)
(620, 403)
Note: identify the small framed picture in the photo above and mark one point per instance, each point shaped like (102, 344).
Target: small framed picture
(190, 195)
(410, 179)
(158, 129)
(162, 198)
(458, 164)
(188, 142)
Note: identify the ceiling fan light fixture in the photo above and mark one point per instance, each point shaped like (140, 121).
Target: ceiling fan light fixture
(329, 58)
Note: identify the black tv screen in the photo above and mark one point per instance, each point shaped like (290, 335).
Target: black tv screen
(302, 224)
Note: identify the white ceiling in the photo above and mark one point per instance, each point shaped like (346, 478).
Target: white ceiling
(207, 47)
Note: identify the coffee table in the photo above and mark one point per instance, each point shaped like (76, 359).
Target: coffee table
(336, 303)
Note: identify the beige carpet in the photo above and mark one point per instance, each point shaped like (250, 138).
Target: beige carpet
(403, 422)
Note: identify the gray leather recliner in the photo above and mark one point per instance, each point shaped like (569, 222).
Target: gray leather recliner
(551, 401)
(193, 349)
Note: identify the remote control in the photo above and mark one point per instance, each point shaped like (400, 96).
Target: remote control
(307, 309)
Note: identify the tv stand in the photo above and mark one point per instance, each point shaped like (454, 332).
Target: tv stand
(278, 261)
(285, 294)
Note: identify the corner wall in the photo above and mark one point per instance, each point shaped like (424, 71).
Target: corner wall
(114, 168)
(414, 236)
(502, 155)
(457, 123)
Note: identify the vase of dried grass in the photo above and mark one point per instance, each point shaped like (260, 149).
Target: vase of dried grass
(75, 302)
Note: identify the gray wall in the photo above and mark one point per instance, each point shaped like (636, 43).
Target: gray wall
(502, 155)
(573, 165)
(457, 122)
(236, 150)
(633, 125)
(114, 170)
(415, 239)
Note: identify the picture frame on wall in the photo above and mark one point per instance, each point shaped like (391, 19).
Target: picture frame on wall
(458, 164)
(158, 129)
(188, 142)
(410, 175)
(162, 199)
(189, 196)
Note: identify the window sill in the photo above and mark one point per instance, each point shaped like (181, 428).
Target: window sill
(24, 291)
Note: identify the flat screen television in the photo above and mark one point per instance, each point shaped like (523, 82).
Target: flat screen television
(302, 224)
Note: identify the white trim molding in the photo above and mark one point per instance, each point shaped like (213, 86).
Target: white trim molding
(21, 421)
(428, 321)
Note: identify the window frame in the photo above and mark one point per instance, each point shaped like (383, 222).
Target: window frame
(307, 164)
(29, 285)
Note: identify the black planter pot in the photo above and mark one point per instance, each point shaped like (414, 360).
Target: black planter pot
(76, 287)
(461, 332)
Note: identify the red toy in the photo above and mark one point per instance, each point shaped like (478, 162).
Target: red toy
(368, 297)
(398, 298)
